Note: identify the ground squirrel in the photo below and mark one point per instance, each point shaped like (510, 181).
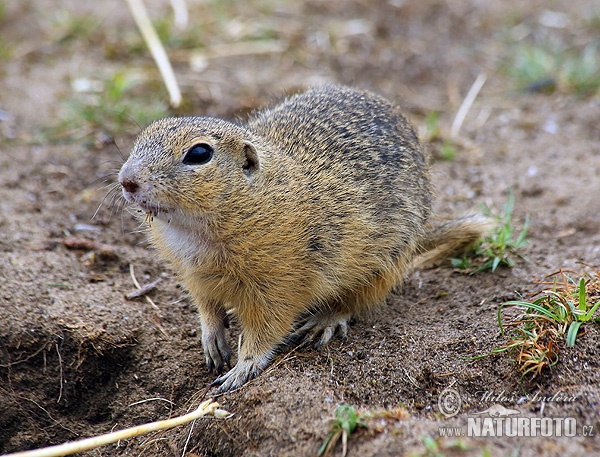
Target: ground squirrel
(295, 221)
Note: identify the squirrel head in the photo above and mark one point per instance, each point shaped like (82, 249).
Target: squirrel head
(187, 167)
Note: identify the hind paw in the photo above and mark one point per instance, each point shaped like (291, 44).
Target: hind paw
(321, 328)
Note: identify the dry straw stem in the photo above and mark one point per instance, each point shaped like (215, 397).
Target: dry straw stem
(140, 289)
(181, 13)
(140, 15)
(205, 408)
(461, 114)
(136, 283)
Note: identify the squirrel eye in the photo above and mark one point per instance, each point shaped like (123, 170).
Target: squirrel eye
(199, 154)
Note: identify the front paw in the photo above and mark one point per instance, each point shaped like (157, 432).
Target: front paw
(216, 349)
(246, 369)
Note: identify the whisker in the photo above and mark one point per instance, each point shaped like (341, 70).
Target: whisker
(132, 210)
(117, 163)
(111, 185)
(112, 193)
(103, 178)
(121, 155)
(135, 122)
(123, 210)
(116, 201)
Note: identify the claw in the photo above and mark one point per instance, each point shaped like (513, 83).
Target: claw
(320, 329)
(216, 350)
(219, 367)
(210, 364)
(216, 382)
(246, 369)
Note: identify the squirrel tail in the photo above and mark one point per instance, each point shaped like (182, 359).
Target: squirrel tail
(442, 241)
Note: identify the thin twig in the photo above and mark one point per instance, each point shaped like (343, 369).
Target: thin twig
(142, 291)
(461, 114)
(155, 322)
(411, 379)
(150, 399)
(187, 441)
(138, 286)
(205, 408)
(60, 367)
(133, 278)
(140, 15)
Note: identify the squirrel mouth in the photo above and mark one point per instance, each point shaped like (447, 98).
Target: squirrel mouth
(151, 209)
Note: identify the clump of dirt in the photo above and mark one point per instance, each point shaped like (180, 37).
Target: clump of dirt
(77, 358)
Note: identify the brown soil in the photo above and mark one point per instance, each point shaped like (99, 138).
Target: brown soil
(77, 359)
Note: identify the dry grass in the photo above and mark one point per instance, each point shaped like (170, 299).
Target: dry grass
(551, 321)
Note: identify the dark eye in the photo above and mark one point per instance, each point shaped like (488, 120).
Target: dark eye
(199, 154)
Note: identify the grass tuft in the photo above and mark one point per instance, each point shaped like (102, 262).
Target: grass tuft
(550, 321)
(547, 68)
(70, 28)
(107, 106)
(500, 248)
(440, 447)
(443, 147)
(347, 419)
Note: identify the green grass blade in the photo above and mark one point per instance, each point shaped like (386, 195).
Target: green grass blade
(500, 317)
(521, 239)
(591, 312)
(324, 446)
(582, 297)
(534, 306)
(487, 265)
(572, 333)
(495, 263)
(493, 352)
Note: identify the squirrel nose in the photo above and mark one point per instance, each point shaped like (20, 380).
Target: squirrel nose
(130, 185)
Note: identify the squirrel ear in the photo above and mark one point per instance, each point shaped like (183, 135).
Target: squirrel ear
(251, 159)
